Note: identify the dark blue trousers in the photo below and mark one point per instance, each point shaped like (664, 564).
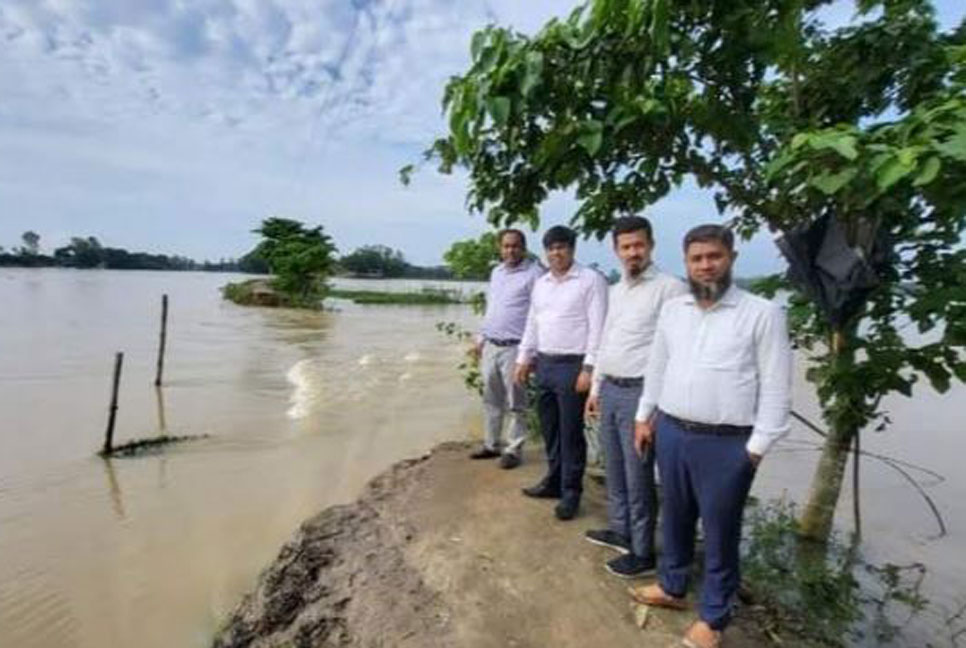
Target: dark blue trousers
(704, 476)
(561, 412)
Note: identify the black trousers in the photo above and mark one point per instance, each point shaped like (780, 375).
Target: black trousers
(561, 412)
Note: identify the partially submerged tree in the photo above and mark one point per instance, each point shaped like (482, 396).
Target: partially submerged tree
(790, 123)
(300, 258)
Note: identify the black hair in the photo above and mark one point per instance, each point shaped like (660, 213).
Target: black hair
(510, 230)
(709, 233)
(560, 234)
(628, 224)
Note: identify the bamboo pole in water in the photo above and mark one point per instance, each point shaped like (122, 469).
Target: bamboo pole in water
(164, 339)
(109, 435)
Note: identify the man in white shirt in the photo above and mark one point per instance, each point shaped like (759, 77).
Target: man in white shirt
(717, 395)
(507, 305)
(633, 307)
(567, 310)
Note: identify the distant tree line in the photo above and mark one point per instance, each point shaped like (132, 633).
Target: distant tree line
(88, 252)
(472, 261)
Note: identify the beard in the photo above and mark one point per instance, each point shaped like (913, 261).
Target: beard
(713, 291)
(635, 268)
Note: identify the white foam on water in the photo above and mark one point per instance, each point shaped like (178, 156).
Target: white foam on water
(366, 360)
(300, 377)
(404, 377)
(413, 356)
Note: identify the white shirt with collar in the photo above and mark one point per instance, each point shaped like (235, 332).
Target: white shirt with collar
(633, 306)
(730, 364)
(566, 315)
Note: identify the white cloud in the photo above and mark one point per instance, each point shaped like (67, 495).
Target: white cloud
(207, 115)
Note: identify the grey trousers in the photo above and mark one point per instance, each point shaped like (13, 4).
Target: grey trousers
(501, 396)
(631, 496)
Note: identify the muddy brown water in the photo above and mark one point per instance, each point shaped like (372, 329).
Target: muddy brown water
(302, 409)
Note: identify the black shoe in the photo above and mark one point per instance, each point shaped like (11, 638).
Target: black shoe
(567, 508)
(509, 460)
(484, 453)
(609, 539)
(542, 491)
(631, 566)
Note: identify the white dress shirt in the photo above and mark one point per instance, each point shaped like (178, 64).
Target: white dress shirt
(566, 315)
(633, 306)
(730, 364)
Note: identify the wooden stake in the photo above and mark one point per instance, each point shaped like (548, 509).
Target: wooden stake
(164, 339)
(109, 436)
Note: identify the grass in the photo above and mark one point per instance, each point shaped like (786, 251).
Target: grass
(423, 297)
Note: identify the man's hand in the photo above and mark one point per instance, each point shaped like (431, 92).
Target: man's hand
(476, 351)
(643, 435)
(592, 408)
(521, 373)
(755, 459)
(582, 386)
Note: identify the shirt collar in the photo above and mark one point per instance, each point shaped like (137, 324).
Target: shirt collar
(572, 273)
(650, 272)
(523, 265)
(731, 298)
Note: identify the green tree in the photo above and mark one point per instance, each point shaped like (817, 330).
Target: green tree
(31, 242)
(300, 258)
(378, 260)
(786, 120)
(473, 258)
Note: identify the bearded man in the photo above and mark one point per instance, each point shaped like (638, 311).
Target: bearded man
(716, 399)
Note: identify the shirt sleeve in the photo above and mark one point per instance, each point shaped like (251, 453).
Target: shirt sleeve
(774, 360)
(596, 313)
(487, 301)
(654, 374)
(598, 376)
(528, 345)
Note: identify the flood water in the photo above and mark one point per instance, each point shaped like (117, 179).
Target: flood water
(300, 409)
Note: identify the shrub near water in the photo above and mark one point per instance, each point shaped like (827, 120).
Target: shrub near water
(826, 594)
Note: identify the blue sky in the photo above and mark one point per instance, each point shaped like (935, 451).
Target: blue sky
(175, 126)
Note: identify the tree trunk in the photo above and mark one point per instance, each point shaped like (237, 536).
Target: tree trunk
(818, 517)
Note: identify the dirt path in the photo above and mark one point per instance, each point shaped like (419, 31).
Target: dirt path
(442, 551)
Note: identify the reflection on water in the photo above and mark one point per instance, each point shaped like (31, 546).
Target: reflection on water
(302, 409)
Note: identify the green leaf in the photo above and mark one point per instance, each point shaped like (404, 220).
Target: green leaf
(534, 70)
(891, 172)
(405, 174)
(499, 109)
(591, 136)
(928, 172)
(830, 183)
(955, 146)
(799, 140)
(476, 44)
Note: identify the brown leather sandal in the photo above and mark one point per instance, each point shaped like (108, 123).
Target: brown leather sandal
(655, 596)
(700, 635)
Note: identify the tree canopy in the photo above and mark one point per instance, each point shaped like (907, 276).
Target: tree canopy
(473, 258)
(375, 260)
(787, 121)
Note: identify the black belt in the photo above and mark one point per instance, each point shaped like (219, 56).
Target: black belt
(708, 428)
(554, 358)
(502, 343)
(624, 382)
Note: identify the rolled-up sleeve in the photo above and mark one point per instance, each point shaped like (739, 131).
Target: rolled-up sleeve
(774, 360)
